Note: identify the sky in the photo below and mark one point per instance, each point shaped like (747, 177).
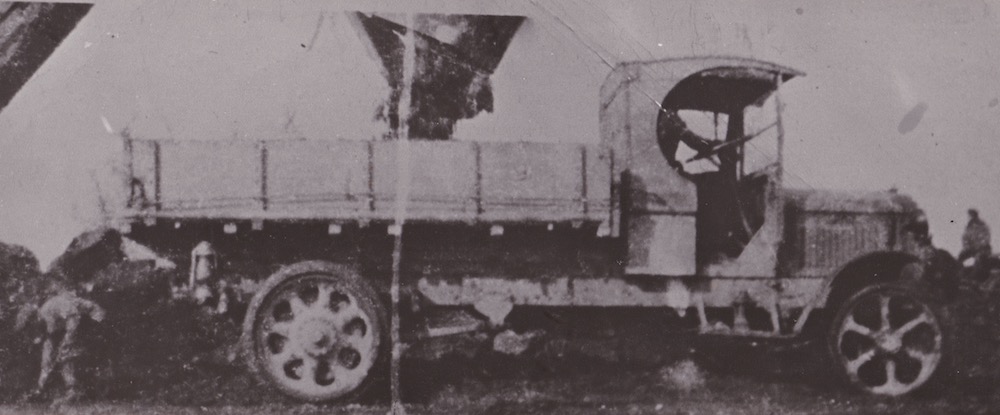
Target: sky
(261, 69)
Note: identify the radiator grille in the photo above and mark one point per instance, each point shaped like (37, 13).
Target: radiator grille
(833, 240)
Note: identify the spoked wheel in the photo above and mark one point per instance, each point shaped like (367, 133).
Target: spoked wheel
(887, 340)
(314, 331)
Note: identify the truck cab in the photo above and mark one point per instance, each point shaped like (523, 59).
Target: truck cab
(718, 205)
(698, 147)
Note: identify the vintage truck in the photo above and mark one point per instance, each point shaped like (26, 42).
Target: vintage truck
(637, 220)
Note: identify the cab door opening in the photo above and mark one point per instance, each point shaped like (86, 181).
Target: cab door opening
(702, 132)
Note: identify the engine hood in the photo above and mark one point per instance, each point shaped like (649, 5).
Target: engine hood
(849, 201)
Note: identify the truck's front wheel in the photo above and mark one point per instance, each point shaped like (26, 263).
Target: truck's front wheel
(888, 340)
(315, 331)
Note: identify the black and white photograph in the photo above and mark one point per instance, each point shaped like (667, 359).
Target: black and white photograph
(499, 207)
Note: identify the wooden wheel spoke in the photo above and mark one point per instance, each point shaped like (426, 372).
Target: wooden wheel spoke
(347, 315)
(856, 363)
(341, 372)
(308, 373)
(923, 357)
(354, 341)
(323, 301)
(891, 381)
(850, 324)
(910, 325)
(884, 311)
(283, 328)
(286, 356)
(298, 306)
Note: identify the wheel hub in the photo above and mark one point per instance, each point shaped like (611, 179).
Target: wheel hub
(888, 342)
(316, 336)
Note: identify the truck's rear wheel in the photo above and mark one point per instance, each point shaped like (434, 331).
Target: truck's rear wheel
(315, 332)
(888, 340)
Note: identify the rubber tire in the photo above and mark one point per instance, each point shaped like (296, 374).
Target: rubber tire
(917, 291)
(360, 289)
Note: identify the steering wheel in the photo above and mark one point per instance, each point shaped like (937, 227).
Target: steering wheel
(716, 149)
(671, 131)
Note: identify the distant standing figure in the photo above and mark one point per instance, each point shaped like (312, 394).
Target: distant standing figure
(63, 317)
(976, 239)
(204, 284)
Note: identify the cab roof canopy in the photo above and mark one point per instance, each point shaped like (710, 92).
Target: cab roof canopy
(730, 87)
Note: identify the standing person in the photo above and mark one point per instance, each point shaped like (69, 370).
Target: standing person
(976, 244)
(976, 239)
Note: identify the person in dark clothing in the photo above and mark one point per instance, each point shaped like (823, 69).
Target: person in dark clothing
(61, 314)
(976, 245)
(975, 239)
(64, 317)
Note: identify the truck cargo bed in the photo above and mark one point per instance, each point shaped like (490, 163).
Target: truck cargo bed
(354, 180)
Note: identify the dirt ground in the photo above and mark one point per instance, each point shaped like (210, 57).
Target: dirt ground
(606, 370)
(154, 355)
(598, 390)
